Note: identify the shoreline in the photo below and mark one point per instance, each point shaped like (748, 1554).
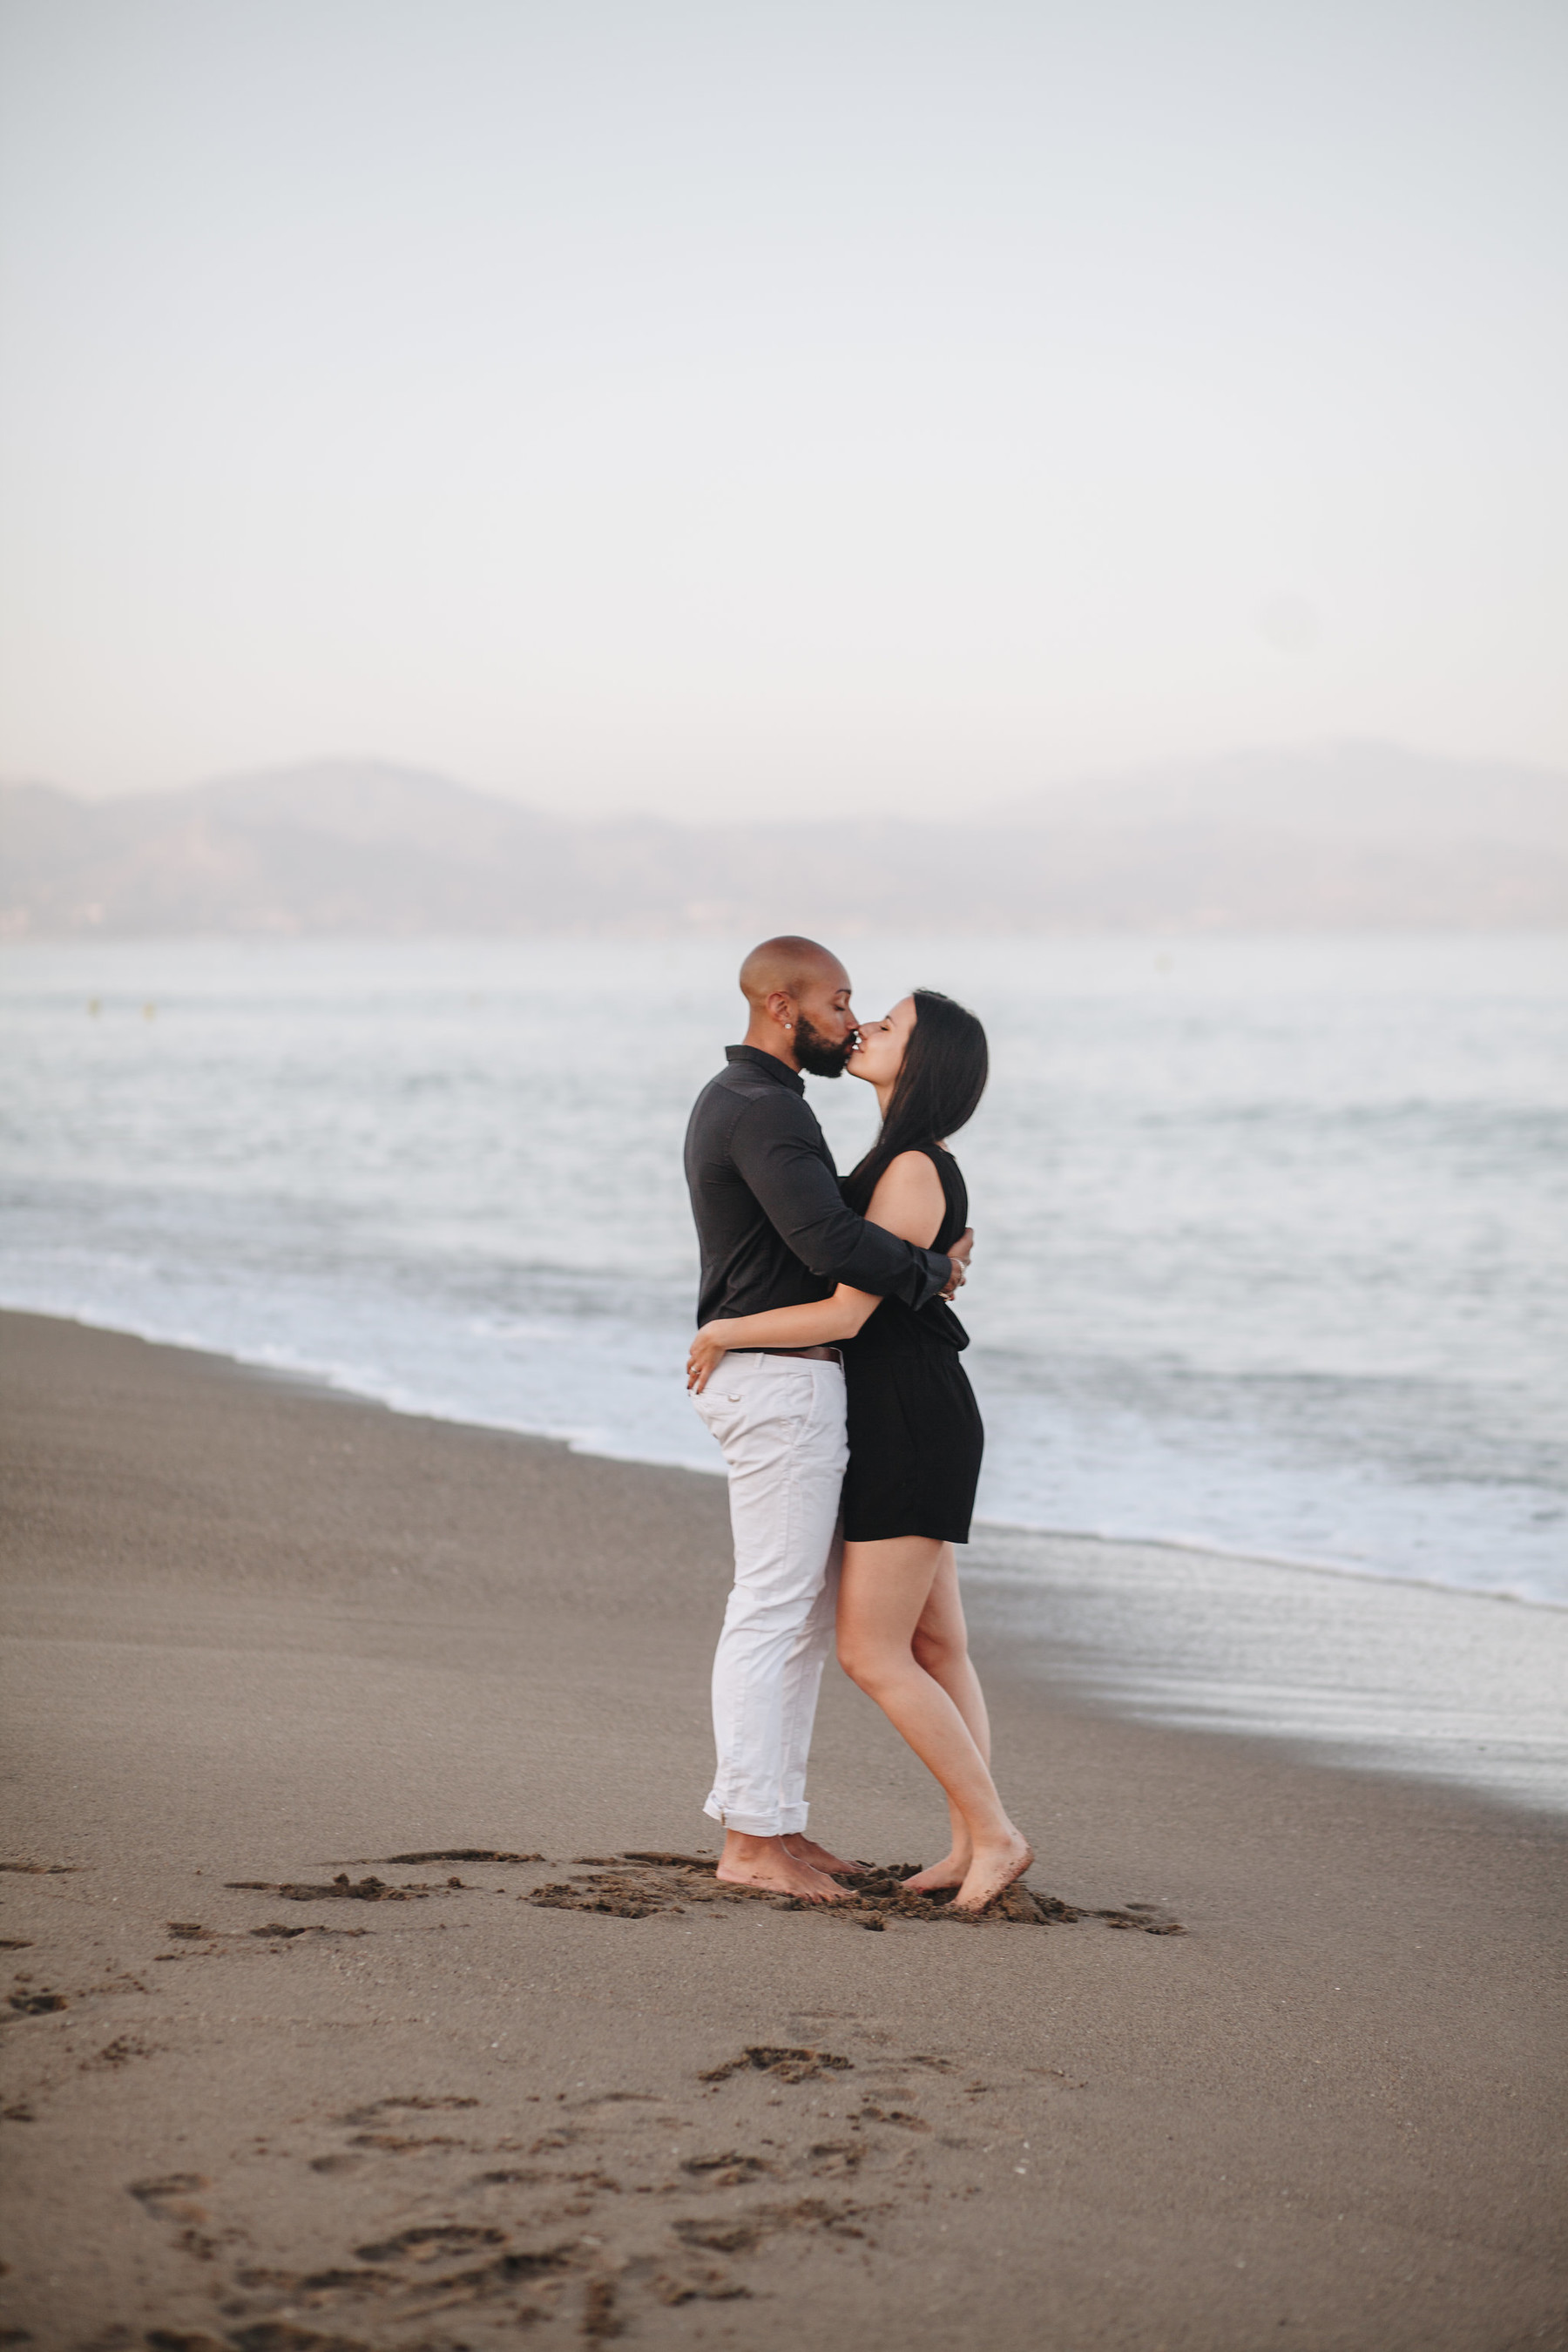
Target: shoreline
(1357, 1674)
(322, 1380)
(260, 1639)
(1385, 1673)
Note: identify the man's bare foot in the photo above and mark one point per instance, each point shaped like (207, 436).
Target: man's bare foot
(806, 1850)
(765, 1862)
(950, 1871)
(993, 1868)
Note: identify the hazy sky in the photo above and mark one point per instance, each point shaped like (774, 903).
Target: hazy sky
(767, 405)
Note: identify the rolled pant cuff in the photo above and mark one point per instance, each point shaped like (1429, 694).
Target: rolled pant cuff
(747, 1825)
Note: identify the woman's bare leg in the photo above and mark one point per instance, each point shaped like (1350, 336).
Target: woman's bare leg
(941, 1646)
(882, 1599)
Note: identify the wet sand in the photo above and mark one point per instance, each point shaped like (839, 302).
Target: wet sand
(308, 1704)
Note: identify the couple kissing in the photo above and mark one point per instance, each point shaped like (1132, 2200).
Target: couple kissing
(827, 1366)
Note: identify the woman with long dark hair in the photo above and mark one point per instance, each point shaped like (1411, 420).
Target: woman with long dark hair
(915, 1436)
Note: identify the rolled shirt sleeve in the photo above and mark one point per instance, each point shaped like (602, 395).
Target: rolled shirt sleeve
(777, 1148)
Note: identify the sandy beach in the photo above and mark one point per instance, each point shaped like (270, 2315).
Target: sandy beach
(308, 1705)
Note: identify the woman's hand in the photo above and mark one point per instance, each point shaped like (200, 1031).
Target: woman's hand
(707, 1352)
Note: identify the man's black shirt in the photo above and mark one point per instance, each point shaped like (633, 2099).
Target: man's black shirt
(772, 1228)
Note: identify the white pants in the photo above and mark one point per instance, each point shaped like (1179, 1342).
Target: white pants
(780, 1419)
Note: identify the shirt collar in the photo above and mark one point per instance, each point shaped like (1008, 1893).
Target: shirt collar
(768, 1063)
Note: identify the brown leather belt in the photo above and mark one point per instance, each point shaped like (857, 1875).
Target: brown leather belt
(814, 1355)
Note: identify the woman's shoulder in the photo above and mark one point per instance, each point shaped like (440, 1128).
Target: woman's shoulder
(910, 1176)
(937, 1155)
(910, 1166)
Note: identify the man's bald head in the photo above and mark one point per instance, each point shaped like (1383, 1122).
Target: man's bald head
(798, 993)
(787, 966)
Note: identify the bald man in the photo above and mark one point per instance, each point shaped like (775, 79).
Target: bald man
(775, 1231)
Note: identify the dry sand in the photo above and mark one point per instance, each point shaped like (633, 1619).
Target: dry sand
(258, 1634)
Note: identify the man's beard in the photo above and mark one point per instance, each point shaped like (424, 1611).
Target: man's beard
(817, 1053)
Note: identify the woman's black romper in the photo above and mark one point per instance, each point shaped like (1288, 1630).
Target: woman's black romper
(915, 1433)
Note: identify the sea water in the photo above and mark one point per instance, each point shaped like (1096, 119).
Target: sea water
(1272, 1235)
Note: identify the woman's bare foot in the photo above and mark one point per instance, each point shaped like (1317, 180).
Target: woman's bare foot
(767, 1861)
(950, 1871)
(806, 1850)
(993, 1868)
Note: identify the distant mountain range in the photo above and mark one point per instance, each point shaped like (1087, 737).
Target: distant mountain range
(1347, 836)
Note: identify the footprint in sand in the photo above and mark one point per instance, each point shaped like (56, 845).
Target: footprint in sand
(638, 1886)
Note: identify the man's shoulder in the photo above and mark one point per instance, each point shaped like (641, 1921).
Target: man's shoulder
(729, 1090)
(767, 1106)
(743, 1083)
(741, 1094)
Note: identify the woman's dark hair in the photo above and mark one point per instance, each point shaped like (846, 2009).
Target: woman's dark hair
(946, 1064)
